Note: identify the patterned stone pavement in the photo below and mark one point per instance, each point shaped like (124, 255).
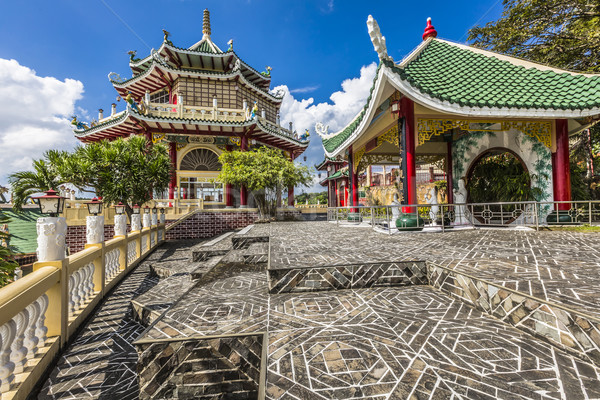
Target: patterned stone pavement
(371, 342)
(101, 361)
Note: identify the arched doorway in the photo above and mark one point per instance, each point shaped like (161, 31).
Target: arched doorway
(499, 175)
(198, 170)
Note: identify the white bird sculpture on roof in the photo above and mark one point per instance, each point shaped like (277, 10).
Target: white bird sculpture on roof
(377, 39)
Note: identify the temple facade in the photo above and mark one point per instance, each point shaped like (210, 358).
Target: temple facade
(433, 115)
(200, 101)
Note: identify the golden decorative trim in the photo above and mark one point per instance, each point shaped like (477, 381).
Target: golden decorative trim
(356, 159)
(181, 146)
(235, 140)
(390, 136)
(157, 137)
(429, 127)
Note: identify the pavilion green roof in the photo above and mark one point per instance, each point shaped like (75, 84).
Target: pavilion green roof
(464, 78)
(22, 228)
(461, 75)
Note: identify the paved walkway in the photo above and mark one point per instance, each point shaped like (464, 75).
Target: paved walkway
(374, 342)
(101, 362)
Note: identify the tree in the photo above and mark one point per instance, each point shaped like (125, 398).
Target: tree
(44, 176)
(264, 172)
(122, 170)
(561, 33)
(7, 264)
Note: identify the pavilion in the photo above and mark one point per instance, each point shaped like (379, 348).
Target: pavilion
(200, 101)
(454, 103)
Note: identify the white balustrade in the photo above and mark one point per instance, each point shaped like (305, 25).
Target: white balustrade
(81, 288)
(21, 339)
(111, 264)
(144, 244)
(8, 332)
(152, 239)
(131, 252)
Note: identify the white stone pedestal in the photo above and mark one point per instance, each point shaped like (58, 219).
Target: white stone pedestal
(51, 233)
(146, 221)
(94, 229)
(136, 222)
(154, 219)
(120, 225)
(162, 219)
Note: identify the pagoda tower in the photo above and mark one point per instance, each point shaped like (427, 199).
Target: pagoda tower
(202, 101)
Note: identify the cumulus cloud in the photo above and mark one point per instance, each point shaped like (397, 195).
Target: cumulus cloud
(34, 115)
(344, 105)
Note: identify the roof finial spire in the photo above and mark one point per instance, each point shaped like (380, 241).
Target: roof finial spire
(429, 30)
(206, 23)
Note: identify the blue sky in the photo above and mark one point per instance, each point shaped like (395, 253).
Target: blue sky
(313, 47)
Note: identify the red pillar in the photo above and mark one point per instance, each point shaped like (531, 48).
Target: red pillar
(353, 178)
(228, 188)
(173, 157)
(408, 111)
(449, 174)
(561, 173)
(243, 191)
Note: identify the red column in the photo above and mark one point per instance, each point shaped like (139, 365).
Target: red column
(228, 188)
(411, 171)
(449, 174)
(561, 173)
(243, 191)
(291, 188)
(353, 178)
(173, 157)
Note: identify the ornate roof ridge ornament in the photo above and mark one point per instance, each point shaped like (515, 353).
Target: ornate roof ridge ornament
(323, 131)
(206, 24)
(377, 39)
(429, 30)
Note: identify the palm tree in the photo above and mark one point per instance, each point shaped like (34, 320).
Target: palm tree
(26, 183)
(7, 265)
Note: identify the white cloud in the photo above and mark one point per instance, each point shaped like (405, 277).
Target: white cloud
(305, 89)
(34, 115)
(344, 105)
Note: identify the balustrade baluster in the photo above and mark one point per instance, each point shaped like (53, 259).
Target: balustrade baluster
(40, 328)
(18, 351)
(73, 300)
(8, 332)
(31, 340)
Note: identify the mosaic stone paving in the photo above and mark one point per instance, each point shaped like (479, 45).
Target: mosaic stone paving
(375, 343)
(101, 361)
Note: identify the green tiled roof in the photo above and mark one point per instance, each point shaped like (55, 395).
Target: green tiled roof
(22, 229)
(338, 174)
(467, 78)
(461, 76)
(205, 47)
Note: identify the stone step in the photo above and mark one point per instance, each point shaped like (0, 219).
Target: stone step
(256, 253)
(151, 305)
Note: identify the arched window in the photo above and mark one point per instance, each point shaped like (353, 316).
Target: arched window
(200, 160)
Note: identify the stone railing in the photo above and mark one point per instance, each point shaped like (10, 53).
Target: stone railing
(195, 112)
(42, 311)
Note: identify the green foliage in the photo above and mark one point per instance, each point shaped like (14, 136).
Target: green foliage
(562, 33)
(126, 170)
(500, 177)
(123, 170)
(7, 265)
(263, 171)
(312, 198)
(580, 189)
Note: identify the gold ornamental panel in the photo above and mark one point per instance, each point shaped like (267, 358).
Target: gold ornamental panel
(540, 130)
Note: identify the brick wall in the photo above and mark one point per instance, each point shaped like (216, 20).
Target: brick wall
(76, 239)
(209, 224)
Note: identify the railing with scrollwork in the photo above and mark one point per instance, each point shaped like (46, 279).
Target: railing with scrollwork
(42, 310)
(441, 217)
